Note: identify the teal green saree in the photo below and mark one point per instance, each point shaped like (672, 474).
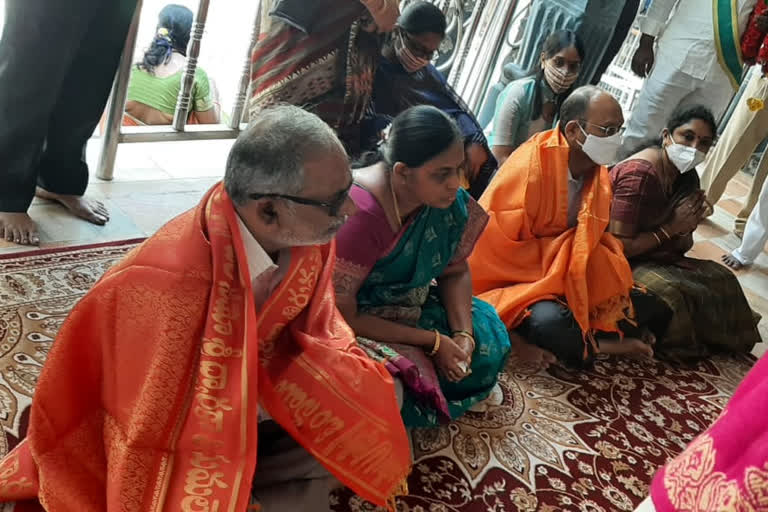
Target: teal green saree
(393, 276)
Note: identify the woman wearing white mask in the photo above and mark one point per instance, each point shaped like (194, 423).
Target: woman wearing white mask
(528, 106)
(405, 77)
(657, 205)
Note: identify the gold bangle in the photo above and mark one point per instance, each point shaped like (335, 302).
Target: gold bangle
(658, 238)
(467, 335)
(436, 346)
(665, 232)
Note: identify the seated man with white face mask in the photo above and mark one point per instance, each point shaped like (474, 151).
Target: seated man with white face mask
(560, 283)
(658, 203)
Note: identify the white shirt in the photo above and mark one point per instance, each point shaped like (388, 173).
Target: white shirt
(266, 275)
(688, 39)
(574, 198)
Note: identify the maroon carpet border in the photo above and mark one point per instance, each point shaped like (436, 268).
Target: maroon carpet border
(71, 248)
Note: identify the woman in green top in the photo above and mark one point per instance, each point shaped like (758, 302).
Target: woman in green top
(530, 105)
(156, 80)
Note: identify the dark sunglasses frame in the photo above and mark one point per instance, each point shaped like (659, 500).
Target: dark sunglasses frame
(333, 207)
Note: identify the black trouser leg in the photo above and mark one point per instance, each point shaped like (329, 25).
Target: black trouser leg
(82, 98)
(551, 326)
(39, 43)
(624, 23)
(650, 313)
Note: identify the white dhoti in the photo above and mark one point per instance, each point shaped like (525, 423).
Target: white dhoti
(755, 231)
(745, 131)
(667, 88)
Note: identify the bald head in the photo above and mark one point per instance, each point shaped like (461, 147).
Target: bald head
(584, 100)
(590, 112)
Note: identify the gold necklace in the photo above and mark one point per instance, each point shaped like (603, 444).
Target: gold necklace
(394, 201)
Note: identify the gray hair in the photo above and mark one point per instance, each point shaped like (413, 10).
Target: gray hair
(269, 156)
(576, 105)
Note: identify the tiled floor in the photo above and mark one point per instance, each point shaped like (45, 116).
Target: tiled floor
(715, 238)
(155, 182)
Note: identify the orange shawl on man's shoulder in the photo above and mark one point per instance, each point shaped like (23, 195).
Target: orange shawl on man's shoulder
(149, 398)
(528, 254)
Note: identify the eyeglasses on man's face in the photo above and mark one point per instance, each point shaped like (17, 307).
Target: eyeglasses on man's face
(606, 131)
(332, 207)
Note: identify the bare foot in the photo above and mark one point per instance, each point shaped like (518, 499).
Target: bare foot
(731, 262)
(530, 354)
(627, 347)
(19, 228)
(88, 209)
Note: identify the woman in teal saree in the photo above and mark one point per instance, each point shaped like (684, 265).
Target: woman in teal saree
(402, 281)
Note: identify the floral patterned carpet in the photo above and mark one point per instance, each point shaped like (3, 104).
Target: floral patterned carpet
(562, 440)
(559, 440)
(37, 291)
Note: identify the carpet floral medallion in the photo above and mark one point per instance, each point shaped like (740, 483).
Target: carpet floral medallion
(560, 440)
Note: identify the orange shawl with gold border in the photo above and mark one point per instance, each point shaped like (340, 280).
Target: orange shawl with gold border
(528, 254)
(149, 398)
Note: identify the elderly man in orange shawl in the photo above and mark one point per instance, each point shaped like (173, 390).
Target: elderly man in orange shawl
(545, 261)
(210, 369)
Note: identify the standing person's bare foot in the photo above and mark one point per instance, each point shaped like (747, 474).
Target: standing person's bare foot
(731, 262)
(88, 209)
(19, 228)
(530, 354)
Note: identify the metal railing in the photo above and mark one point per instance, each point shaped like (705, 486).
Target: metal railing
(115, 133)
(454, 11)
(481, 48)
(480, 29)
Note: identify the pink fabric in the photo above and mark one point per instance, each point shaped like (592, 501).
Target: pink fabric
(415, 369)
(367, 235)
(726, 468)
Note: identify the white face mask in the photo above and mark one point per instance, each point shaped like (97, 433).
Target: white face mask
(685, 158)
(601, 150)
